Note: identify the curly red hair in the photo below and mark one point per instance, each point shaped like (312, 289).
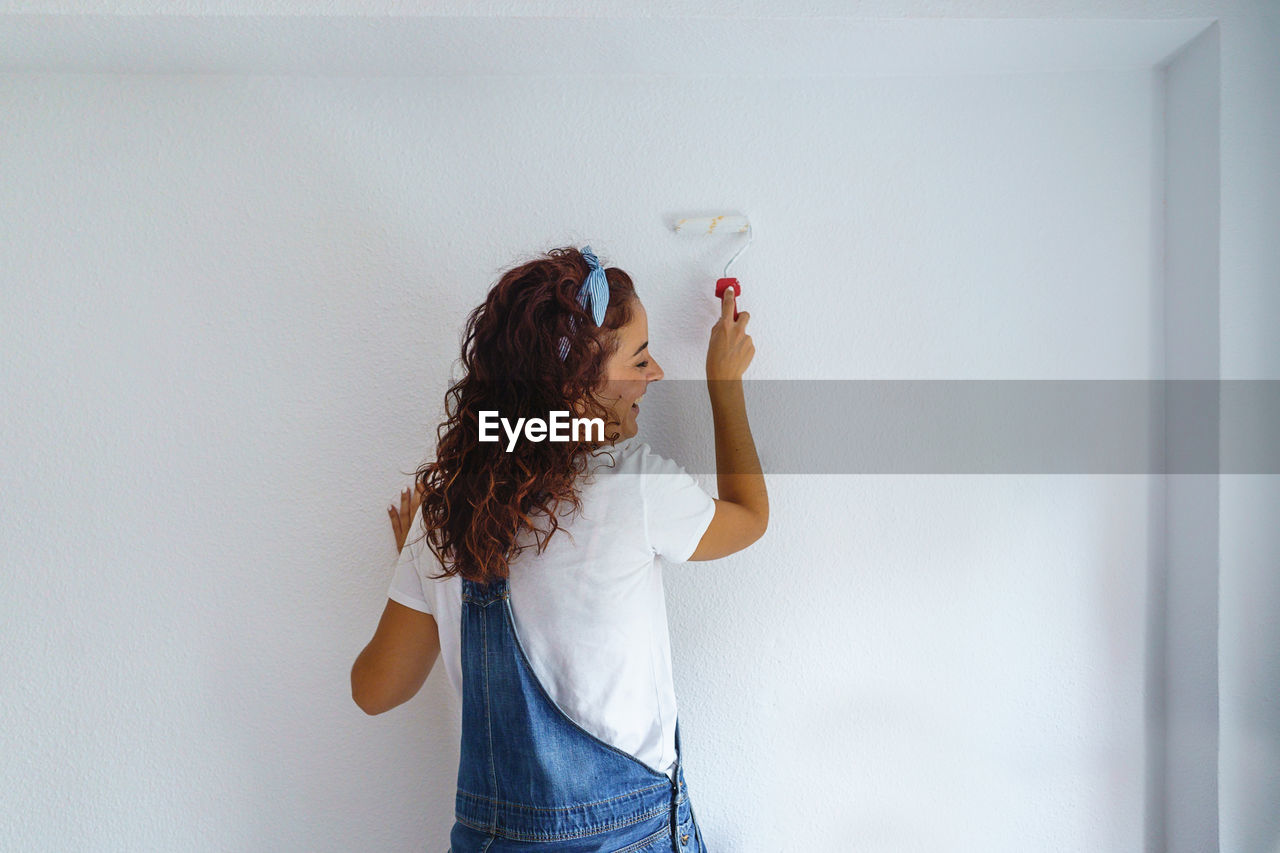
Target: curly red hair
(478, 496)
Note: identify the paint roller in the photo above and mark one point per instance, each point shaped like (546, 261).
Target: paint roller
(711, 225)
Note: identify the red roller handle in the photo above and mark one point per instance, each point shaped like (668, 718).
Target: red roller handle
(721, 284)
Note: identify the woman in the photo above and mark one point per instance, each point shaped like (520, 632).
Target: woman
(558, 644)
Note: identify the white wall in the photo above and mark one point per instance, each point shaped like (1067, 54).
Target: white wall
(1249, 504)
(230, 305)
(1189, 583)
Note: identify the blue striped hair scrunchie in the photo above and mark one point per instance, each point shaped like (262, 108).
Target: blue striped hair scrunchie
(593, 296)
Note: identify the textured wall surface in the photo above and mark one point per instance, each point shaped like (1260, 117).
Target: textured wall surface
(229, 309)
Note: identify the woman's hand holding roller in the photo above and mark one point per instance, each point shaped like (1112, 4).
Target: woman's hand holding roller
(730, 349)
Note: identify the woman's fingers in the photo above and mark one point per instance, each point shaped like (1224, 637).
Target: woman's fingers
(400, 517)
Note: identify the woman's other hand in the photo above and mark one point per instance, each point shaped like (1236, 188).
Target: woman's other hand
(402, 518)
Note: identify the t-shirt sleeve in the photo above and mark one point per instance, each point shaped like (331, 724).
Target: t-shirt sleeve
(677, 511)
(406, 584)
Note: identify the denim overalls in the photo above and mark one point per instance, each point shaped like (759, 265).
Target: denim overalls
(530, 778)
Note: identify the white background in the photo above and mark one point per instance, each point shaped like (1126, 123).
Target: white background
(229, 307)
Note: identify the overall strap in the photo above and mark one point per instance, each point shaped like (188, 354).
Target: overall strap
(484, 594)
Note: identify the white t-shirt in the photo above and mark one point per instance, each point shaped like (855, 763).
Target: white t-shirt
(590, 611)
